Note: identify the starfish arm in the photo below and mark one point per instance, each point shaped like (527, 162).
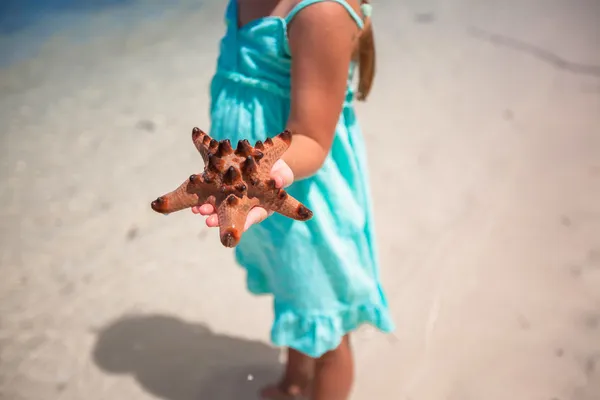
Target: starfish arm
(273, 149)
(286, 205)
(232, 213)
(204, 143)
(192, 192)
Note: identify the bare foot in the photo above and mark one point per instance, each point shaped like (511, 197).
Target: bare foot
(296, 382)
(283, 391)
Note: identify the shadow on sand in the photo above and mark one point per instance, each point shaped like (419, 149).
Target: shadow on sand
(176, 360)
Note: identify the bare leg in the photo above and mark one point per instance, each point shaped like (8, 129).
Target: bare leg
(299, 372)
(334, 373)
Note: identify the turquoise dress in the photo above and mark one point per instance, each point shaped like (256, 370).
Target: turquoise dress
(323, 273)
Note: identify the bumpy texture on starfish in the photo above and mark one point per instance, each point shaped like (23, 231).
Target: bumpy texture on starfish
(233, 182)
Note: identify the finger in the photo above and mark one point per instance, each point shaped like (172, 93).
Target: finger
(255, 216)
(206, 209)
(212, 221)
(203, 209)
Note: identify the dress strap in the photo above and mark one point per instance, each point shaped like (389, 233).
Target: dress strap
(305, 3)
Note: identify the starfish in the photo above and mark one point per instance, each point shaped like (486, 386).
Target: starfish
(233, 182)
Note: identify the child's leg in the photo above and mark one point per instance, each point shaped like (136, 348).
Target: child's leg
(299, 372)
(334, 373)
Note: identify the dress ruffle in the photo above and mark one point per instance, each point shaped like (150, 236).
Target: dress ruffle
(316, 334)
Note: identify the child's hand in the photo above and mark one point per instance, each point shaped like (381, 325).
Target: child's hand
(283, 176)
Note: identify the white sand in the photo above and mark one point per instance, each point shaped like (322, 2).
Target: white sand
(484, 126)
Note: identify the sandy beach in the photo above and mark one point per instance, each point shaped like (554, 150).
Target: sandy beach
(484, 143)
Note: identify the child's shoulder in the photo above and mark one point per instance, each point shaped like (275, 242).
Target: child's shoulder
(324, 12)
(329, 5)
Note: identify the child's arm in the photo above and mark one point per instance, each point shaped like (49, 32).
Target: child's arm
(322, 39)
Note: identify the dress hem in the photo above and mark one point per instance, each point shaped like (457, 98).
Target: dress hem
(315, 335)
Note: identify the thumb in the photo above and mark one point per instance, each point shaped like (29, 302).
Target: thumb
(256, 216)
(282, 173)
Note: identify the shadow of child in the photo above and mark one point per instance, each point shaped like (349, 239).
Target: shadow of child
(176, 360)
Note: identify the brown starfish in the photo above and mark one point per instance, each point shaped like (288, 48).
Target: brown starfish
(233, 182)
